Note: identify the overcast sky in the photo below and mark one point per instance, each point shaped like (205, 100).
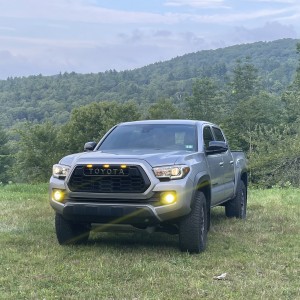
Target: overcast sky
(48, 37)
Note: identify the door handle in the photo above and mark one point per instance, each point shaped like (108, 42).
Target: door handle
(221, 164)
(231, 162)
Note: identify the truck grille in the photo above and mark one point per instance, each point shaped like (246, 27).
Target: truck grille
(134, 180)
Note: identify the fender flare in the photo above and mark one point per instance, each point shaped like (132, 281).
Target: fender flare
(240, 174)
(202, 182)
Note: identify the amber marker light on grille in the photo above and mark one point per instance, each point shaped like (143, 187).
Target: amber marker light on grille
(123, 166)
(89, 166)
(105, 166)
(168, 197)
(58, 195)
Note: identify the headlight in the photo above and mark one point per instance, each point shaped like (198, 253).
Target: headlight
(171, 172)
(60, 171)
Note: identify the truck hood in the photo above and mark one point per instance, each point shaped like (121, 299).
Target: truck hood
(152, 157)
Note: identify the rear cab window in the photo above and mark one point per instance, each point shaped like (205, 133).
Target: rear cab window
(218, 134)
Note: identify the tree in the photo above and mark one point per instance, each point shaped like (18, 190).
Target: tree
(245, 81)
(38, 149)
(291, 97)
(297, 78)
(205, 103)
(248, 115)
(5, 158)
(275, 159)
(163, 109)
(92, 121)
(275, 155)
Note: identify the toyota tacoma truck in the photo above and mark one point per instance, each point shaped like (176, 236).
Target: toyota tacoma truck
(163, 175)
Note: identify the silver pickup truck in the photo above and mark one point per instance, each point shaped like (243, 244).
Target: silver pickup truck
(158, 175)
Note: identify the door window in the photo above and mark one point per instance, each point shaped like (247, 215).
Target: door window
(207, 136)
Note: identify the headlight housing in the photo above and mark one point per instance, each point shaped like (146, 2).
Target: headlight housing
(60, 171)
(171, 172)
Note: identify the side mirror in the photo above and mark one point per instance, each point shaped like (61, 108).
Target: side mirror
(216, 147)
(89, 146)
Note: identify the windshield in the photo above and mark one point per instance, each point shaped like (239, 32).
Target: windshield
(149, 136)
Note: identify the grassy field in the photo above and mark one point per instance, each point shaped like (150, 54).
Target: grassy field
(261, 256)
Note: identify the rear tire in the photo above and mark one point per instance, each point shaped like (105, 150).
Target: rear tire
(70, 233)
(193, 228)
(237, 207)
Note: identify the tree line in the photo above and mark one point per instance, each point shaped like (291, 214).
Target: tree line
(40, 98)
(261, 122)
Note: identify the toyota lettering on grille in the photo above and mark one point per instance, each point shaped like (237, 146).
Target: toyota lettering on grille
(98, 171)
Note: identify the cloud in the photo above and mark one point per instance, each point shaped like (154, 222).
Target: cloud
(197, 3)
(14, 65)
(45, 42)
(163, 39)
(143, 47)
(279, 1)
(270, 31)
(240, 16)
(6, 28)
(82, 36)
(129, 51)
(163, 33)
(78, 11)
(84, 11)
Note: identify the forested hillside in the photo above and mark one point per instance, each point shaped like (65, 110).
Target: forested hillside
(252, 91)
(40, 98)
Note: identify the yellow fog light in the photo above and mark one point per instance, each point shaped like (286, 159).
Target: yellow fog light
(168, 197)
(58, 195)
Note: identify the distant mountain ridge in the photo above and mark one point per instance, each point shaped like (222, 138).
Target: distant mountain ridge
(38, 98)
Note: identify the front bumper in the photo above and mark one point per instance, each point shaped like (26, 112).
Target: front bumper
(125, 208)
(108, 213)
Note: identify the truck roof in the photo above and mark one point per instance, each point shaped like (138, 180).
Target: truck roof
(171, 121)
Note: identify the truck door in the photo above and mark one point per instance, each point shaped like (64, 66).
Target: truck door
(215, 165)
(228, 167)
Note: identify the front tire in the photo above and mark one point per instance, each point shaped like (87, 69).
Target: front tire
(70, 233)
(193, 228)
(237, 207)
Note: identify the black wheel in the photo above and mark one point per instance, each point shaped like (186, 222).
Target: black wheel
(70, 233)
(237, 207)
(193, 228)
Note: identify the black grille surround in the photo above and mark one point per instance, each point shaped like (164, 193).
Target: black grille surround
(136, 181)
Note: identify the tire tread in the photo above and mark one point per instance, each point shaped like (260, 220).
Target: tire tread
(190, 238)
(70, 233)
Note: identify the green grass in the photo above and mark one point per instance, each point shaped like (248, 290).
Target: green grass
(261, 256)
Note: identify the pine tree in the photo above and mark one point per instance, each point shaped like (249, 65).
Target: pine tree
(205, 103)
(5, 158)
(291, 97)
(164, 109)
(245, 81)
